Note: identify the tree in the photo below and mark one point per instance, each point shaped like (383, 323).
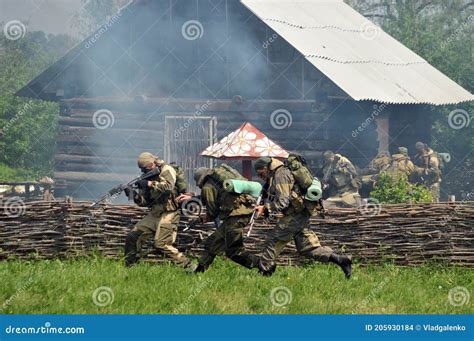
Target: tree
(440, 31)
(28, 128)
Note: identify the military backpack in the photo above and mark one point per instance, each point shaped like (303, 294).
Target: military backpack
(181, 183)
(305, 179)
(225, 172)
(230, 201)
(300, 170)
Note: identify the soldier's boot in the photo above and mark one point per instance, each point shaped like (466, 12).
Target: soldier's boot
(201, 268)
(245, 259)
(191, 267)
(131, 256)
(266, 269)
(344, 262)
(205, 261)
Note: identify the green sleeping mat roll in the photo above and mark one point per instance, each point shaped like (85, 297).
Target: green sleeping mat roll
(314, 192)
(243, 187)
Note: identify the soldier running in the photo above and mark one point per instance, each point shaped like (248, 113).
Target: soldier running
(286, 202)
(161, 222)
(232, 209)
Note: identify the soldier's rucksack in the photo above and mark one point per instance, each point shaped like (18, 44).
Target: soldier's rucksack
(225, 172)
(181, 183)
(228, 202)
(300, 170)
(443, 158)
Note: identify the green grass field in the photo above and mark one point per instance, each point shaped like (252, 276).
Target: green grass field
(53, 287)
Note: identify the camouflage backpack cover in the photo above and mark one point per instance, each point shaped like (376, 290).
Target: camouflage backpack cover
(300, 170)
(225, 172)
(181, 183)
(304, 178)
(230, 201)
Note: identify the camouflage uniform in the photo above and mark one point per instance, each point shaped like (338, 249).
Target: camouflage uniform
(343, 184)
(428, 171)
(368, 175)
(400, 165)
(379, 164)
(162, 220)
(234, 211)
(286, 201)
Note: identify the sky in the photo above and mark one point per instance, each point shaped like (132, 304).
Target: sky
(51, 16)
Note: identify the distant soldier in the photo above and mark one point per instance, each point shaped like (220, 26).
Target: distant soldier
(378, 164)
(47, 183)
(285, 201)
(368, 175)
(340, 181)
(401, 164)
(428, 169)
(159, 194)
(234, 212)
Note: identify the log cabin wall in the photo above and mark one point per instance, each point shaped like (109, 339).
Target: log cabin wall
(143, 69)
(91, 158)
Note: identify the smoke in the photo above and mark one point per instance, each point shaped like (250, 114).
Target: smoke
(196, 50)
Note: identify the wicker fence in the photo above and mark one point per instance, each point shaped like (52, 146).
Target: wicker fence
(405, 234)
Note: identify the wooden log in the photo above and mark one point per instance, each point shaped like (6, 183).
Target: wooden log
(404, 234)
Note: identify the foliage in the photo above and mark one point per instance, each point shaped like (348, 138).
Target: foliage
(440, 31)
(396, 190)
(15, 174)
(27, 128)
(65, 287)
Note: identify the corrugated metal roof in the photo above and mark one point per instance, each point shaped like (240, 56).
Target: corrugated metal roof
(363, 60)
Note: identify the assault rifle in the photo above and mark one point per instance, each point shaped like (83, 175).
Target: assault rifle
(329, 172)
(129, 185)
(254, 214)
(263, 194)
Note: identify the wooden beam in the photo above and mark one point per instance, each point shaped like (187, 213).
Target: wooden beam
(188, 105)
